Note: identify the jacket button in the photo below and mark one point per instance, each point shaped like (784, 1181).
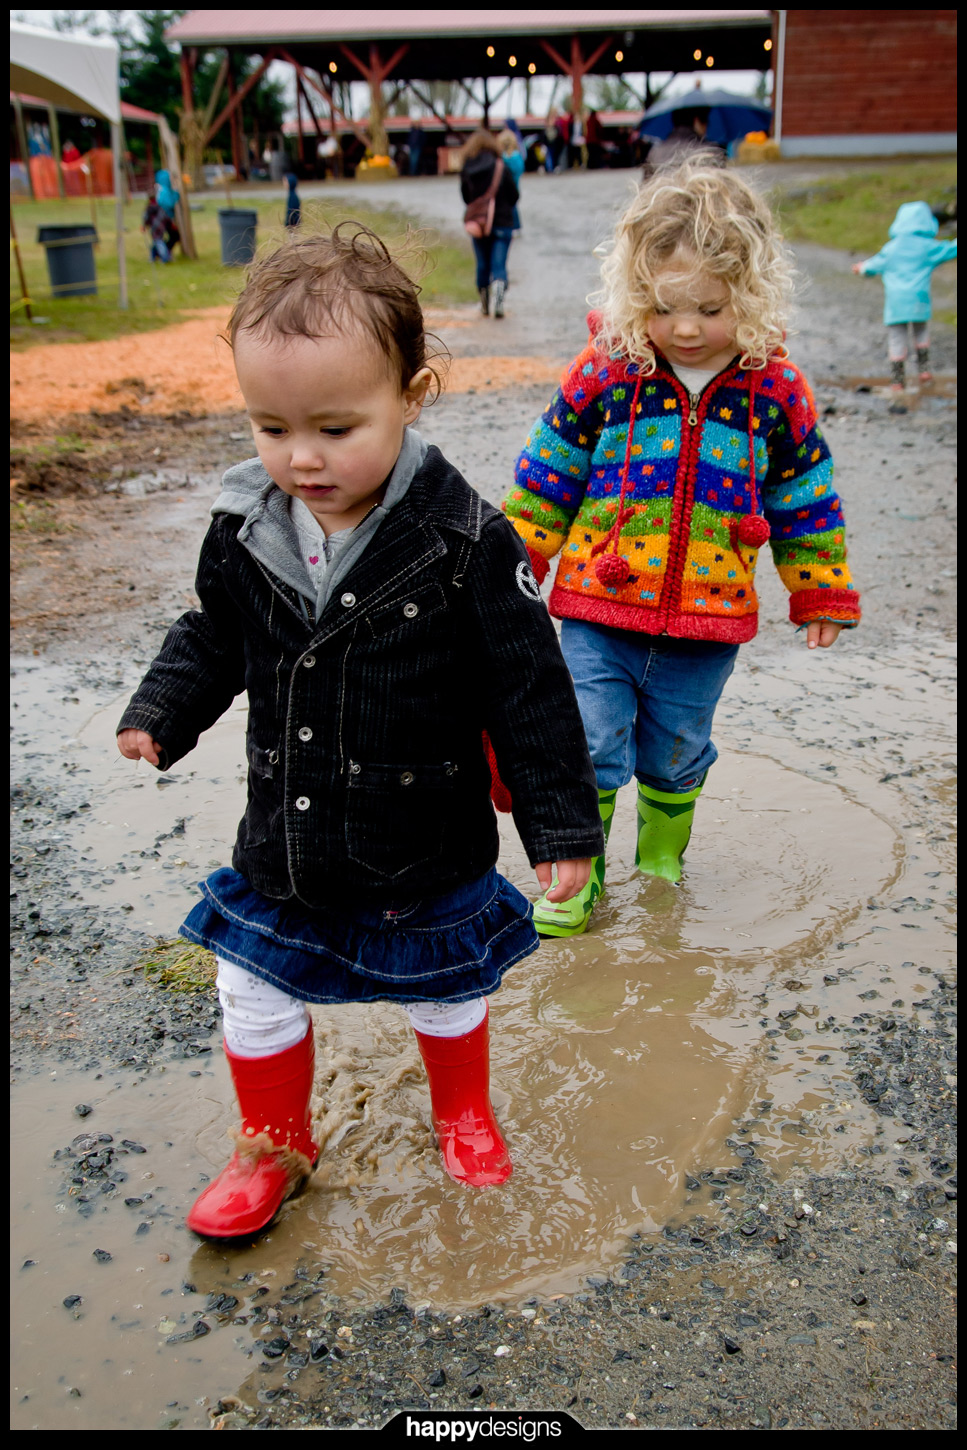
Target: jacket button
(354, 769)
(309, 661)
(302, 804)
(348, 600)
(407, 778)
(305, 733)
(411, 610)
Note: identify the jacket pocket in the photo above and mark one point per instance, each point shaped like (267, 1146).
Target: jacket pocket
(398, 816)
(256, 825)
(409, 610)
(260, 761)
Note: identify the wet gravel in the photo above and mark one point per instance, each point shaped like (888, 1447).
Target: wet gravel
(809, 1302)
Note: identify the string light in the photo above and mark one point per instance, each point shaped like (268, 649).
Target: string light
(696, 55)
(709, 60)
(532, 68)
(767, 45)
(512, 60)
(619, 56)
(333, 67)
(490, 51)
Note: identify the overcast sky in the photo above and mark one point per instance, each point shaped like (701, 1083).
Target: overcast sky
(511, 103)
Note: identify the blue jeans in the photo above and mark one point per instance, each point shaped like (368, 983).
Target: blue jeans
(491, 254)
(647, 702)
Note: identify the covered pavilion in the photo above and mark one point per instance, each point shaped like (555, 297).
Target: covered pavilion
(412, 47)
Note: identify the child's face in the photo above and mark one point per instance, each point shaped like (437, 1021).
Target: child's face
(694, 323)
(327, 417)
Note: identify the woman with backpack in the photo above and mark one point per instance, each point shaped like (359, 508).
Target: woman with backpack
(490, 194)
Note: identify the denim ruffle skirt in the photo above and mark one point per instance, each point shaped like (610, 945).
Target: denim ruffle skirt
(441, 949)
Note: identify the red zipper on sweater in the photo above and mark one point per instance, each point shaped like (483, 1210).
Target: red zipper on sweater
(683, 502)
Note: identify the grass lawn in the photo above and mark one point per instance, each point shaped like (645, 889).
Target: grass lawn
(853, 211)
(160, 295)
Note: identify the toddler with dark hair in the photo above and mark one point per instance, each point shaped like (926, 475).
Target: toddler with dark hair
(384, 621)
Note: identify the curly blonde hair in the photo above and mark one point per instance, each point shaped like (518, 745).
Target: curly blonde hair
(696, 218)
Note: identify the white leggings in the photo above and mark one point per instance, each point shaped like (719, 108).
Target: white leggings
(897, 338)
(260, 1020)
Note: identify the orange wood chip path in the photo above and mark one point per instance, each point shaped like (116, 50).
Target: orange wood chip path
(187, 367)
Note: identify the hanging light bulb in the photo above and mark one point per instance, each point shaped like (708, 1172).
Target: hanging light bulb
(767, 45)
(490, 51)
(333, 67)
(532, 68)
(619, 56)
(512, 60)
(696, 55)
(709, 60)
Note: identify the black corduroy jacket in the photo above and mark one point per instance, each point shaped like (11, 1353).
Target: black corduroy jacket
(366, 774)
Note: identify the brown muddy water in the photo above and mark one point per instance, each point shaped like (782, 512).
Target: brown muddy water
(622, 1061)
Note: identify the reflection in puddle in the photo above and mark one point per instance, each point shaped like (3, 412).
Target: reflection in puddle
(621, 1061)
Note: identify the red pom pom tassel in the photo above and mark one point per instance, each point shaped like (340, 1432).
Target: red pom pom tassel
(753, 531)
(612, 570)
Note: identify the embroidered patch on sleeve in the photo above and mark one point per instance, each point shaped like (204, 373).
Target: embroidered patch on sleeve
(527, 582)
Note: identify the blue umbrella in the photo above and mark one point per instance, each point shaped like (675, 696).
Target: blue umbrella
(730, 117)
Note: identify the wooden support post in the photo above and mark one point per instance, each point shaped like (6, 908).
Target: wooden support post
(375, 74)
(577, 75)
(20, 270)
(22, 143)
(298, 117)
(305, 96)
(578, 67)
(239, 97)
(327, 96)
(55, 147)
(238, 158)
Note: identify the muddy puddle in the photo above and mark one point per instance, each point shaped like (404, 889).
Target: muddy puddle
(622, 1061)
(915, 395)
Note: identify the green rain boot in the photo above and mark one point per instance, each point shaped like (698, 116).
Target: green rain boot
(664, 826)
(570, 918)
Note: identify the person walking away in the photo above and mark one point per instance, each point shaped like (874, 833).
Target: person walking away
(680, 440)
(388, 629)
(687, 138)
(906, 263)
(595, 135)
(577, 150)
(564, 124)
(293, 206)
(167, 198)
(481, 156)
(552, 141)
(415, 142)
(155, 223)
(514, 159)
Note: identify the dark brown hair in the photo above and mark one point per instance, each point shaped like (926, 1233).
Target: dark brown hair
(314, 284)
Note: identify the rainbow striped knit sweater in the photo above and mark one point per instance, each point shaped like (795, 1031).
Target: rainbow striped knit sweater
(674, 499)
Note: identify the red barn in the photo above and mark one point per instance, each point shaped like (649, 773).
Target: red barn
(865, 82)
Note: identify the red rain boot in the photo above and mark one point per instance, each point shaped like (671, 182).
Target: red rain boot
(275, 1154)
(458, 1070)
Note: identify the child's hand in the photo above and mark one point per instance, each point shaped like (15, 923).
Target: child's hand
(858, 268)
(572, 877)
(138, 745)
(822, 633)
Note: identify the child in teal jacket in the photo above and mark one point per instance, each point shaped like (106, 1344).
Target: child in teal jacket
(906, 265)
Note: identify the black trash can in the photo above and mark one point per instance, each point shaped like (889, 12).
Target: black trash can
(238, 235)
(70, 259)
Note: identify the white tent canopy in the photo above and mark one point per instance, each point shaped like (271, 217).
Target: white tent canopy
(80, 75)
